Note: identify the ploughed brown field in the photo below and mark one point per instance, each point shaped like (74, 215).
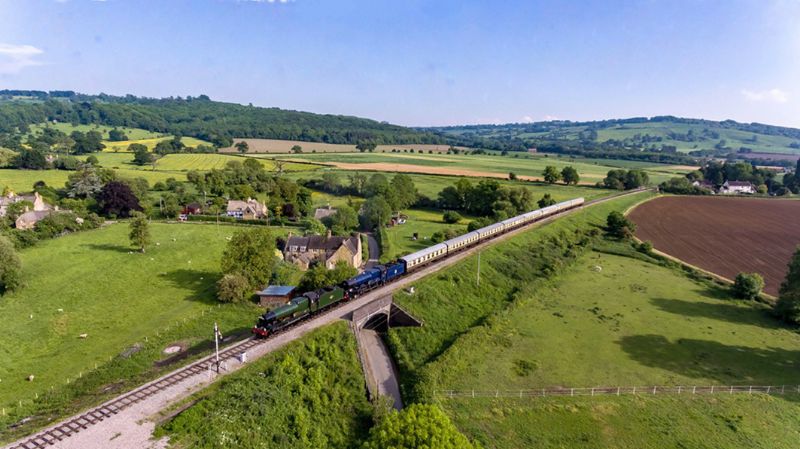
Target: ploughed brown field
(725, 236)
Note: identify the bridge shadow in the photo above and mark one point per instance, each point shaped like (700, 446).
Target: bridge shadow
(706, 359)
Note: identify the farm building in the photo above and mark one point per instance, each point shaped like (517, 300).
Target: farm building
(737, 187)
(328, 249)
(324, 212)
(246, 210)
(275, 295)
(708, 185)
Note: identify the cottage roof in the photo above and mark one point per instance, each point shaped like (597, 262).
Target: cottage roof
(277, 290)
(324, 212)
(33, 216)
(238, 205)
(318, 242)
(738, 183)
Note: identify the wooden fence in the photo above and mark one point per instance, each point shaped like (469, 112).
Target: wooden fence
(620, 391)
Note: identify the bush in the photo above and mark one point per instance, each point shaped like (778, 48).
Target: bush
(479, 223)
(748, 285)
(788, 306)
(10, 266)
(451, 217)
(645, 247)
(619, 226)
(233, 288)
(416, 426)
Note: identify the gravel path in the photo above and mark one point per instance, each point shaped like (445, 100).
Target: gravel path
(133, 426)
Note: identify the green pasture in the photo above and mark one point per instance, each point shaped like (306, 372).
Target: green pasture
(91, 283)
(150, 143)
(424, 222)
(23, 180)
(68, 128)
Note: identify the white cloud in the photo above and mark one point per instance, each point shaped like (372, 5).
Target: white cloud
(527, 119)
(14, 58)
(771, 95)
(550, 118)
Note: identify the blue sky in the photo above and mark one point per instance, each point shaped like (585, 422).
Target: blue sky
(421, 62)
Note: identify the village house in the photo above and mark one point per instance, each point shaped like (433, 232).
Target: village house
(327, 249)
(324, 212)
(708, 185)
(246, 210)
(275, 295)
(737, 187)
(11, 198)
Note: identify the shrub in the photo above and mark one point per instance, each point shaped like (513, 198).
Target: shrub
(748, 285)
(10, 266)
(788, 306)
(645, 247)
(233, 288)
(619, 226)
(417, 426)
(479, 223)
(451, 217)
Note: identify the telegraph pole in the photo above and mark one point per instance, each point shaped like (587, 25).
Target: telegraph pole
(479, 268)
(216, 344)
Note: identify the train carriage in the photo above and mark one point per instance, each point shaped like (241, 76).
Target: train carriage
(461, 241)
(424, 256)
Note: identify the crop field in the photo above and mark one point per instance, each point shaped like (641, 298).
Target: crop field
(285, 146)
(23, 180)
(525, 167)
(309, 394)
(724, 235)
(150, 143)
(90, 283)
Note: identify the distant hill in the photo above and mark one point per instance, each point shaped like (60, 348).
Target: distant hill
(658, 135)
(198, 117)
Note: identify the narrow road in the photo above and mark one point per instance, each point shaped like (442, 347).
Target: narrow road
(132, 425)
(374, 251)
(381, 367)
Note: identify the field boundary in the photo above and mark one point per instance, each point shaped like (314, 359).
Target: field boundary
(652, 390)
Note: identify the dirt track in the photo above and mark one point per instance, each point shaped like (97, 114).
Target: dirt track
(724, 235)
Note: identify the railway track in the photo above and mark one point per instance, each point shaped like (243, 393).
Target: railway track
(65, 429)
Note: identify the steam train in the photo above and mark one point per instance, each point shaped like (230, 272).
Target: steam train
(312, 302)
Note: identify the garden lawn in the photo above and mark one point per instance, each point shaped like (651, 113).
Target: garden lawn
(309, 394)
(90, 283)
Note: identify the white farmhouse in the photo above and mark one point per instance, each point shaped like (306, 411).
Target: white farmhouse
(737, 188)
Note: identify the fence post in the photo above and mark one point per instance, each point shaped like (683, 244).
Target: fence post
(592, 391)
(679, 389)
(712, 389)
(731, 389)
(543, 392)
(572, 392)
(618, 391)
(751, 390)
(694, 389)
(634, 390)
(473, 393)
(497, 393)
(654, 389)
(520, 394)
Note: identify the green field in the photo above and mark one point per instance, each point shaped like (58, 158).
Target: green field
(309, 394)
(183, 162)
(150, 143)
(68, 128)
(90, 283)
(423, 222)
(633, 322)
(23, 180)
(591, 171)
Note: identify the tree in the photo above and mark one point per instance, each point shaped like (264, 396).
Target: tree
(404, 192)
(250, 253)
(546, 200)
(92, 159)
(297, 149)
(512, 176)
(311, 225)
(366, 146)
(451, 217)
(615, 179)
(319, 276)
(85, 182)
(479, 223)
(116, 135)
(344, 220)
(376, 212)
(551, 174)
(31, 160)
(139, 231)
(10, 266)
(330, 182)
(635, 179)
(233, 288)
(416, 426)
(792, 280)
(242, 146)
(748, 285)
(90, 142)
(141, 155)
(570, 175)
(116, 198)
(378, 184)
(170, 207)
(358, 181)
(619, 226)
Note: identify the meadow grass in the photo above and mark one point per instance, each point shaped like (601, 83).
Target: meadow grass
(149, 142)
(424, 222)
(90, 283)
(23, 180)
(309, 394)
(68, 128)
